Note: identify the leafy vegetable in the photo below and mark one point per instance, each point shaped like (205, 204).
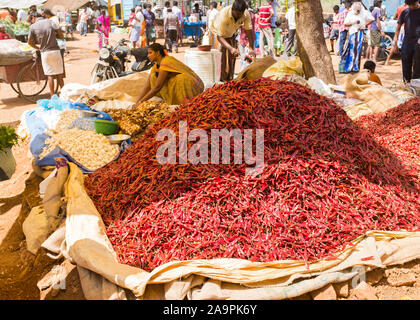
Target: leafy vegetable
(8, 138)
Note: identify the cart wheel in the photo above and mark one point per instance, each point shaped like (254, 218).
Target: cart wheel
(15, 89)
(27, 83)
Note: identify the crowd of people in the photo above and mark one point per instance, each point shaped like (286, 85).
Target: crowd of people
(352, 24)
(234, 29)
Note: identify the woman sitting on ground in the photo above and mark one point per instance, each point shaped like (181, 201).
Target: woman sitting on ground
(169, 79)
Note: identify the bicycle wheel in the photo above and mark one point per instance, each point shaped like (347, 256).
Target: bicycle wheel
(27, 83)
(14, 87)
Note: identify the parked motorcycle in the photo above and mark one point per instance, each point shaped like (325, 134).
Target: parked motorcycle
(113, 61)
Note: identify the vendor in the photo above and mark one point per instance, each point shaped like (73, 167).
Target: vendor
(371, 66)
(225, 25)
(3, 33)
(169, 79)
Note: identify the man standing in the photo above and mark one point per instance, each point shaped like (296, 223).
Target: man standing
(149, 16)
(274, 5)
(266, 12)
(171, 27)
(376, 32)
(342, 28)
(22, 15)
(410, 18)
(32, 11)
(44, 32)
(334, 33)
(83, 20)
(165, 10)
(225, 26)
(396, 16)
(211, 14)
(291, 35)
(178, 13)
(197, 12)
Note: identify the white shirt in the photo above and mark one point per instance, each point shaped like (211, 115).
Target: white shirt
(89, 11)
(364, 17)
(290, 16)
(212, 14)
(140, 17)
(22, 15)
(178, 13)
(164, 12)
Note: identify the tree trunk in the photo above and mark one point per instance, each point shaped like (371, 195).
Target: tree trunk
(312, 48)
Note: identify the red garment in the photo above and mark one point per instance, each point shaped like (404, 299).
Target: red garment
(243, 38)
(131, 18)
(265, 11)
(400, 9)
(340, 20)
(4, 36)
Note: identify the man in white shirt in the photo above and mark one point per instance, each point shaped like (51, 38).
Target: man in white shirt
(291, 36)
(178, 12)
(164, 11)
(211, 14)
(22, 15)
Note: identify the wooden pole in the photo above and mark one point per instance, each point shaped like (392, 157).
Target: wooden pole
(312, 48)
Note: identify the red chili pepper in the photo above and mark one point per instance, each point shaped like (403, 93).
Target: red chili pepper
(327, 180)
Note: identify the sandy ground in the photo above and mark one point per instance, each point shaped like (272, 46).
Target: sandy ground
(20, 270)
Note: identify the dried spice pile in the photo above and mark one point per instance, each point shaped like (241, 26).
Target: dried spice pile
(398, 130)
(136, 120)
(326, 181)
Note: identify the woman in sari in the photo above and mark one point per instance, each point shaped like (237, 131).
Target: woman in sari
(169, 79)
(357, 21)
(104, 26)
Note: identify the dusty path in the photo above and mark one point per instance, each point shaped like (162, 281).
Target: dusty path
(20, 270)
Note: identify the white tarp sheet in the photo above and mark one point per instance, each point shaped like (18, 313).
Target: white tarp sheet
(20, 4)
(61, 5)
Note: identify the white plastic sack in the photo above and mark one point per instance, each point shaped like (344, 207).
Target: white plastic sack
(319, 86)
(206, 64)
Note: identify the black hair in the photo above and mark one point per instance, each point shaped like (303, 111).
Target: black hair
(167, 3)
(196, 5)
(370, 65)
(36, 14)
(144, 5)
(377, 3)
(157, 47)
(148, 5)
(371, 8)
(214, 4)
(169, 10)
(175, 3)
(133, 9)
(336, 8)
(47, 12)
(239, 5)
(410, 2)
(347, 4)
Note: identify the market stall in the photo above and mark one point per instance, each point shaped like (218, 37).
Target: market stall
(317, 210)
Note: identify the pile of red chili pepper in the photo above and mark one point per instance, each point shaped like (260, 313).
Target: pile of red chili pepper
(398, 130)
(326, 181)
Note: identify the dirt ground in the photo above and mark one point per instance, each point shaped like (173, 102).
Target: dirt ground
(20, 270)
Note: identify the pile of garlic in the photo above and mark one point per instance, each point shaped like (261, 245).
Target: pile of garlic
(66, 119)
(90, 149)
